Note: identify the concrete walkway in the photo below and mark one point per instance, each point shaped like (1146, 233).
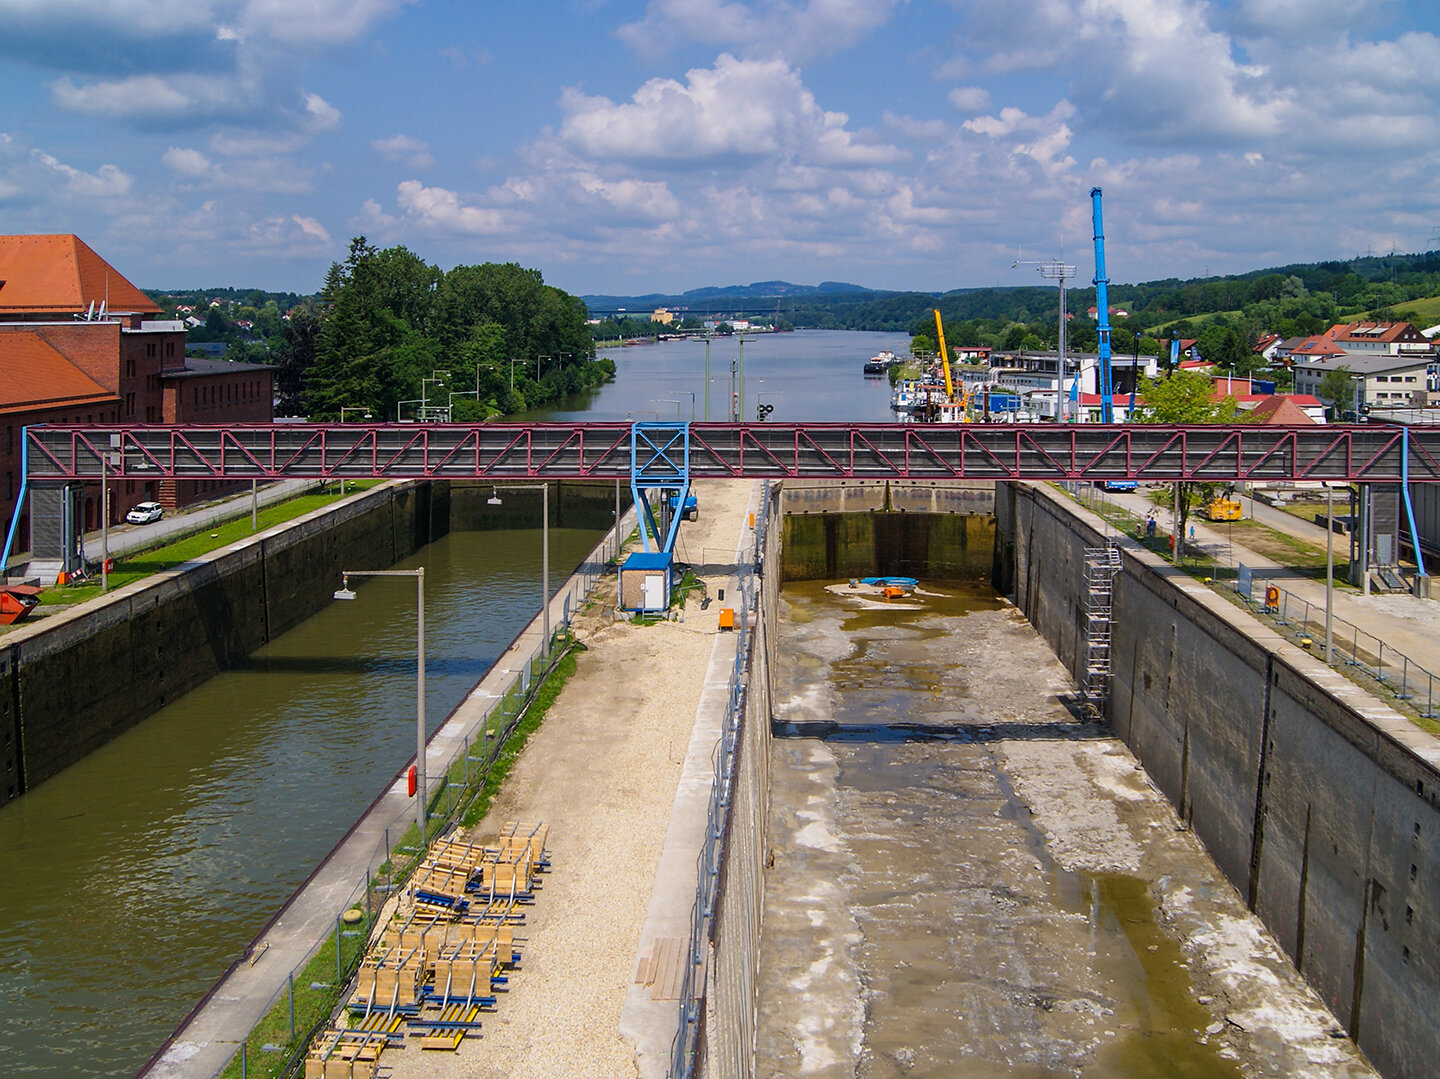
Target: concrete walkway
(214, 1031)
(1404, 622)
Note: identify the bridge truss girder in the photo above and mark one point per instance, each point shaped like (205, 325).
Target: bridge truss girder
(899, 451)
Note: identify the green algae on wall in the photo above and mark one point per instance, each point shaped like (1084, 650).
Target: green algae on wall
(833, 546)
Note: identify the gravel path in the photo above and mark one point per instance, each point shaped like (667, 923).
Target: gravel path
(602, 772)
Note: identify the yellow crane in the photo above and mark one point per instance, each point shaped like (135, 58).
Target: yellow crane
(963, 402)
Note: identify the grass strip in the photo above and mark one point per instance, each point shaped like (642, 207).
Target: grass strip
(316, 996)
(141, 564)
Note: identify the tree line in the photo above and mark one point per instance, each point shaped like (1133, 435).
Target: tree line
(388, 331)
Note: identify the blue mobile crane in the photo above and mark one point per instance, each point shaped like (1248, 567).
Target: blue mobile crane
(1102, 313)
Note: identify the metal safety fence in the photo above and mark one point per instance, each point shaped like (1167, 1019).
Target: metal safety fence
(734, 932)
(311, 990)
(1303, 620)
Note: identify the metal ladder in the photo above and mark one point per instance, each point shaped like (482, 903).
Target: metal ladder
(1101, 566)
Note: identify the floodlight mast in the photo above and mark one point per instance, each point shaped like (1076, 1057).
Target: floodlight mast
(1059, 271)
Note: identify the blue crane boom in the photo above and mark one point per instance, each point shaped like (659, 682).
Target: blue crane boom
(1102, 313)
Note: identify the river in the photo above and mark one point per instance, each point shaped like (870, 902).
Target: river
(805, 375)
(134, 877)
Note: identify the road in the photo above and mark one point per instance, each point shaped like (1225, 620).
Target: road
(1406, 623)
(125, 538)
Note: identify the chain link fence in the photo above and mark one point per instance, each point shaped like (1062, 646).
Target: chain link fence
(309, 994)
(1302, 620)
(716, 1031)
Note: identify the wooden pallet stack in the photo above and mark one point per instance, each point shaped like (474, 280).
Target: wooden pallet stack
(441, 959)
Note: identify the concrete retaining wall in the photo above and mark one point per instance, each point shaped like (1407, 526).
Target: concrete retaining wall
(728, 1051)
(856, 529)
(70, 683)
(1321, 805)
(573, 504)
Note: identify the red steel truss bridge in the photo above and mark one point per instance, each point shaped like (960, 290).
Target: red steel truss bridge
(611, 450)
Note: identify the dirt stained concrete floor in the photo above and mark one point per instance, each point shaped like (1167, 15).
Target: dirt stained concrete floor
(602, 772)
(968, 880)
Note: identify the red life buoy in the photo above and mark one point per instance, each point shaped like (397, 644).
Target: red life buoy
(411, 780)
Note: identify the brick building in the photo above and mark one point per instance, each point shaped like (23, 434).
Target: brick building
(81, 344)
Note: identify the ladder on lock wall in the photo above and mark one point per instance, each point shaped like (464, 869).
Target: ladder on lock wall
(1101, 566)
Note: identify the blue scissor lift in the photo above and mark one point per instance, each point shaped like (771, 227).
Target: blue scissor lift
(659, 463)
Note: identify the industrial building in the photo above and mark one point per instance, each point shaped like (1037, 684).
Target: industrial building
(79, 343)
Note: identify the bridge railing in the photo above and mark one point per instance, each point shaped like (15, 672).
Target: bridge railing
(1413, 687)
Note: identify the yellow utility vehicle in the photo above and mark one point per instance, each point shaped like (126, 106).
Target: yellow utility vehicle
(1224, 508)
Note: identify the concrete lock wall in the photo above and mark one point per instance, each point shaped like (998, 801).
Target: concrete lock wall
(573, 504)
(728, 1051)
(1320, 804)
(72, 682)
(856, 529)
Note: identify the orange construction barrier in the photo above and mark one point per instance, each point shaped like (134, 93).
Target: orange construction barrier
(727, 617)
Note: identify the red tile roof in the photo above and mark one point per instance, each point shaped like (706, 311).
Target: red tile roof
(34, 376)
(1386, 332)
(1281, 411)
(61, 275)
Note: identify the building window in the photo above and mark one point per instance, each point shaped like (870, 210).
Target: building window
(150, 349)
(170, 351)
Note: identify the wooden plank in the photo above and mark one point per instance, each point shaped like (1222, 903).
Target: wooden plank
(667, 974)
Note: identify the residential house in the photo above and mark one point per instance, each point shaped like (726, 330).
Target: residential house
(1285, 410)
(1295, 350)
(1379, 339)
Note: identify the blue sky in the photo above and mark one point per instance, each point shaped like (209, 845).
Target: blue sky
(638, 146)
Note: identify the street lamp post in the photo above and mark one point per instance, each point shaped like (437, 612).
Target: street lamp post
(669, 401)
(418, 573)
(544, 489)
(691, 394)
(354, 408)
(1329, 571)
(462, 393)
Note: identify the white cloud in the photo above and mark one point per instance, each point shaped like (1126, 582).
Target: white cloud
(245, 174)
(413, 152)
(798, 29)
(435, 208)
(171, 64)
(969, 98)
(738, 108)
(316, 231)
(1190, 72)
(148, 96)
(316, 21)
(106, 182)
(321, 114)
(187, 162)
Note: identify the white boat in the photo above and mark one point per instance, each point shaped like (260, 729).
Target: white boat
(880, 363)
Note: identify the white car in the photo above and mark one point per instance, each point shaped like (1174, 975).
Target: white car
(144, 513)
